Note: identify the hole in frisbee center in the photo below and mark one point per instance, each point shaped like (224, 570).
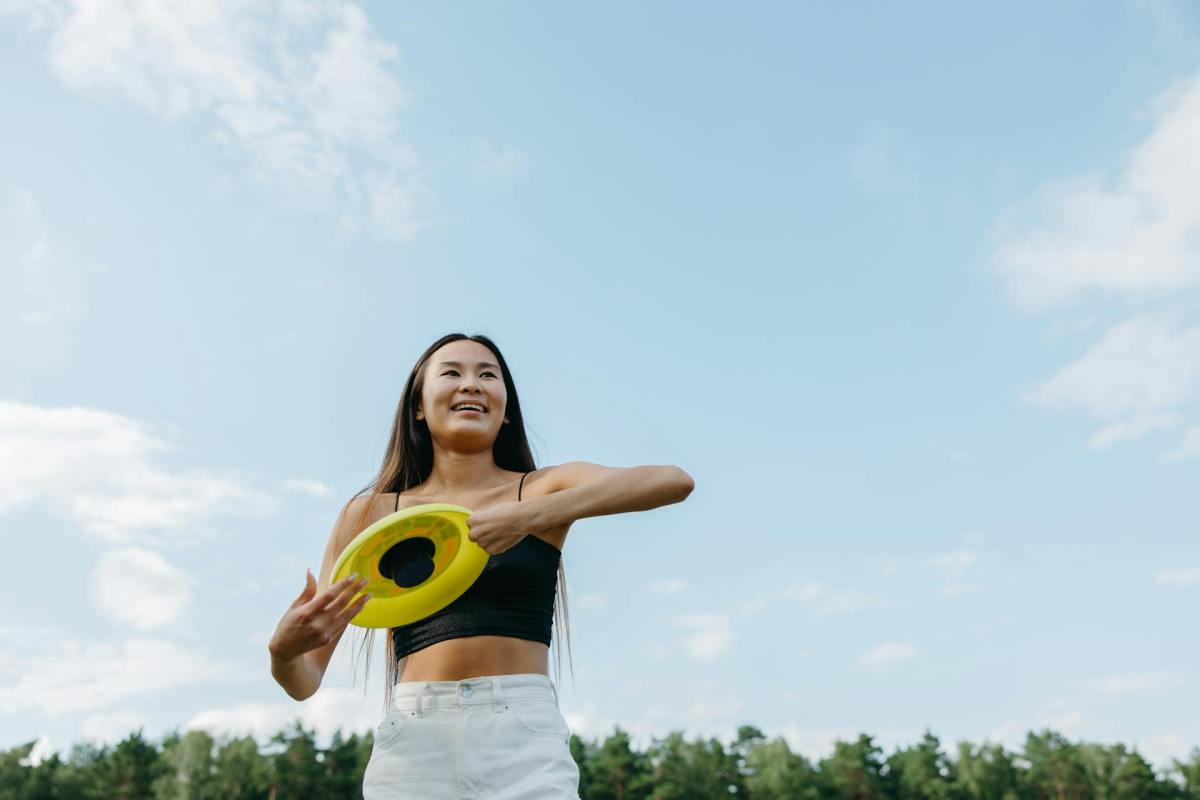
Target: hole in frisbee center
(409, 562)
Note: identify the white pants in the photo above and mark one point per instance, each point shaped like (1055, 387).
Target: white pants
(494, 737)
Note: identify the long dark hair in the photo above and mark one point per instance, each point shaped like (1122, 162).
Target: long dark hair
(408, 462)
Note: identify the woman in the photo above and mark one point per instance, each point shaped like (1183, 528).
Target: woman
(473, 712)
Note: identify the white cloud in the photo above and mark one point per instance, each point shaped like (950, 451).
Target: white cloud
(713, 704)
(1162, 749)
(753, 605)
(824, 602)
(111, 726)
(819, 600)
(711, 638)
(37, 14)
(1135, 236)
(1134, 682)
(492, 159)
(330, 709)
(1057, 714)
(669, 586)
(952, 566)
(55, 675)
(306, 89)
(117, 491)
(885, 654)
(1132, 429)
(1009, 733)
(51, 280)
(1179, 576)
(42, 749)
(1137, 379)
(816, 743)
(587, 723)
(314, 488)
(138, 587)
(1139, 232)
(1189, 447)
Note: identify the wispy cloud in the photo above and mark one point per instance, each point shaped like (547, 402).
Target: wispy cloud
(668, 586)
(1178, 576)
(307, 486)
(306, 90)
(711, 635)
(495, 160)
(1135, 233)
(137, 587)
(1139, 378)
(1134, 236)
(1059, 714)
(118, 490)
(819, 600)
(57, 675)
(329, 710)
(51, 279)
(885, 654)
(1134, 683)
(110, 727)
(953, 567)
(823, 601)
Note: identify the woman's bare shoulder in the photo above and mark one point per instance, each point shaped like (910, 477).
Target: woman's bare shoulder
(540, 482)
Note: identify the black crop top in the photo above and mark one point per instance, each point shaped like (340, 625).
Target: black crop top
(513, 596)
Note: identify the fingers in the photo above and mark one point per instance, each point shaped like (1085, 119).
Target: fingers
(343, 597)
(322, 600)
(350, 612)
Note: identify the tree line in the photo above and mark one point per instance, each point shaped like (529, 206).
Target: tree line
(195, 766)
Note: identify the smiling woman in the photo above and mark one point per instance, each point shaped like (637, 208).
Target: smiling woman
(470, 707)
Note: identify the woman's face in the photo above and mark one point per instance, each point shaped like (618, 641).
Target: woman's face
(463, 372)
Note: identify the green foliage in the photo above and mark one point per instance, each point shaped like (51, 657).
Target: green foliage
(986, 772)
(189, 773)
(242, 773)
(1188, 776)
(194, 766)
(854, 771)
(922, 772)
(1056, 767)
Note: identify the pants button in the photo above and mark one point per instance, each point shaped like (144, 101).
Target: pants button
(464, 690)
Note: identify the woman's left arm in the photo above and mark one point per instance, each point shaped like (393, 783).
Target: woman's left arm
(579, 489)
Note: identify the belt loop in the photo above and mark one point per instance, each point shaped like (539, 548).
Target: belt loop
(554, 689)
(496, 698)
(421, 700)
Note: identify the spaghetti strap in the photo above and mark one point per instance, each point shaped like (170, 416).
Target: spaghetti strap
(522, 486)
(397, 508)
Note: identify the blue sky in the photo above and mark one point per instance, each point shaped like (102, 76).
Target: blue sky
(910, 293)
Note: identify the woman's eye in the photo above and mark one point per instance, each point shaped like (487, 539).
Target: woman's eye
(489, 372)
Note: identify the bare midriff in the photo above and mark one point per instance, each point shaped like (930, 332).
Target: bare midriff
(472, 656)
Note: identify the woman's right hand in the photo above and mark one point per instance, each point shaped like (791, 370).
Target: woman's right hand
(316, 619)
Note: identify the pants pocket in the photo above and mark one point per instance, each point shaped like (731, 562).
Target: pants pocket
(388, 732)
(541, 717)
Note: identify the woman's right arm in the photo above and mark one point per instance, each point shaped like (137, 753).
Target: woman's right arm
(312, 626)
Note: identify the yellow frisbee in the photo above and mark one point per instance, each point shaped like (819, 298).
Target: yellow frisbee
(419, 560)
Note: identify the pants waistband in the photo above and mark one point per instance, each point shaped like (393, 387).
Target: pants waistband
(421, 696)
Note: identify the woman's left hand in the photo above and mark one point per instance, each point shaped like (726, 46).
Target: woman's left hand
(499, 527)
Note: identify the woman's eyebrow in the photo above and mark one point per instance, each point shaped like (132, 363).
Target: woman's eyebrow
(456, 364)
